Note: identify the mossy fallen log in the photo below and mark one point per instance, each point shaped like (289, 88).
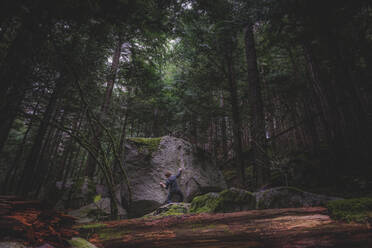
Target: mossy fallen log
(297, 227)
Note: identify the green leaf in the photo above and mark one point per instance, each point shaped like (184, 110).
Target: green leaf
(97, 198)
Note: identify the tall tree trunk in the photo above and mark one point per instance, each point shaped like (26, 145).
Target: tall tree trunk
(11, 175)
(257, 118)
(33, 157)
(223, 130)
(48, 163)
(330, 115)
(236, 125)
(91, 164)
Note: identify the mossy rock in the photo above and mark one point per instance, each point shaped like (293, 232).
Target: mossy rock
(351, 210)
(204, 203)
(229, 200)
(151, 144)
(80, 243)
(170, 209)
(282, 197)
(289, 197)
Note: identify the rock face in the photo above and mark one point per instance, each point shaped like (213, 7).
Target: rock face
(147, 162)
(289, 197)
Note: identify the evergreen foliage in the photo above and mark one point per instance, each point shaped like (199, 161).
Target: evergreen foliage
(80, 78)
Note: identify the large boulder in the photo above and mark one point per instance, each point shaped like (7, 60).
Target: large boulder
(290, 197)
(146, 162)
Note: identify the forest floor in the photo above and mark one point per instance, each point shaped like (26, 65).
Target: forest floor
(31, 224)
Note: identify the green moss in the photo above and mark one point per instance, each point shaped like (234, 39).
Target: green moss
(169, 210)
(112, 234)
(80, 243)
(205, 203)
(151, 144)
(351, 210)
(229, 200)
(175, 210)
(100, 229)
(92, 226)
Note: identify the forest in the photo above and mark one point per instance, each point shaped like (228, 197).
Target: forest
(262, 99)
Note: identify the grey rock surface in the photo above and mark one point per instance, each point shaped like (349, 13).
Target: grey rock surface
(146, 170)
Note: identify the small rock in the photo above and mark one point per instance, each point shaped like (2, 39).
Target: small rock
(80, 243)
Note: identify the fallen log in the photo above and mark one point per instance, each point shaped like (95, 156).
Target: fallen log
(274, 228)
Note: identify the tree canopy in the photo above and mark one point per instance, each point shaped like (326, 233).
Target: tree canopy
(276, 92)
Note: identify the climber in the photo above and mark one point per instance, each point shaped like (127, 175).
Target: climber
(172, 185)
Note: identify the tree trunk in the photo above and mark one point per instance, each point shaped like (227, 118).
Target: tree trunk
(12, 173)
(236, 125)
(223, 130)
(91, 164)
(257, 120)
(32, 160)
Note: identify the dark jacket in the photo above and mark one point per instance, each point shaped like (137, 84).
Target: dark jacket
(171, 182)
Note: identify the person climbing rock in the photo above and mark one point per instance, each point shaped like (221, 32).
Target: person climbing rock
(172, 185)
